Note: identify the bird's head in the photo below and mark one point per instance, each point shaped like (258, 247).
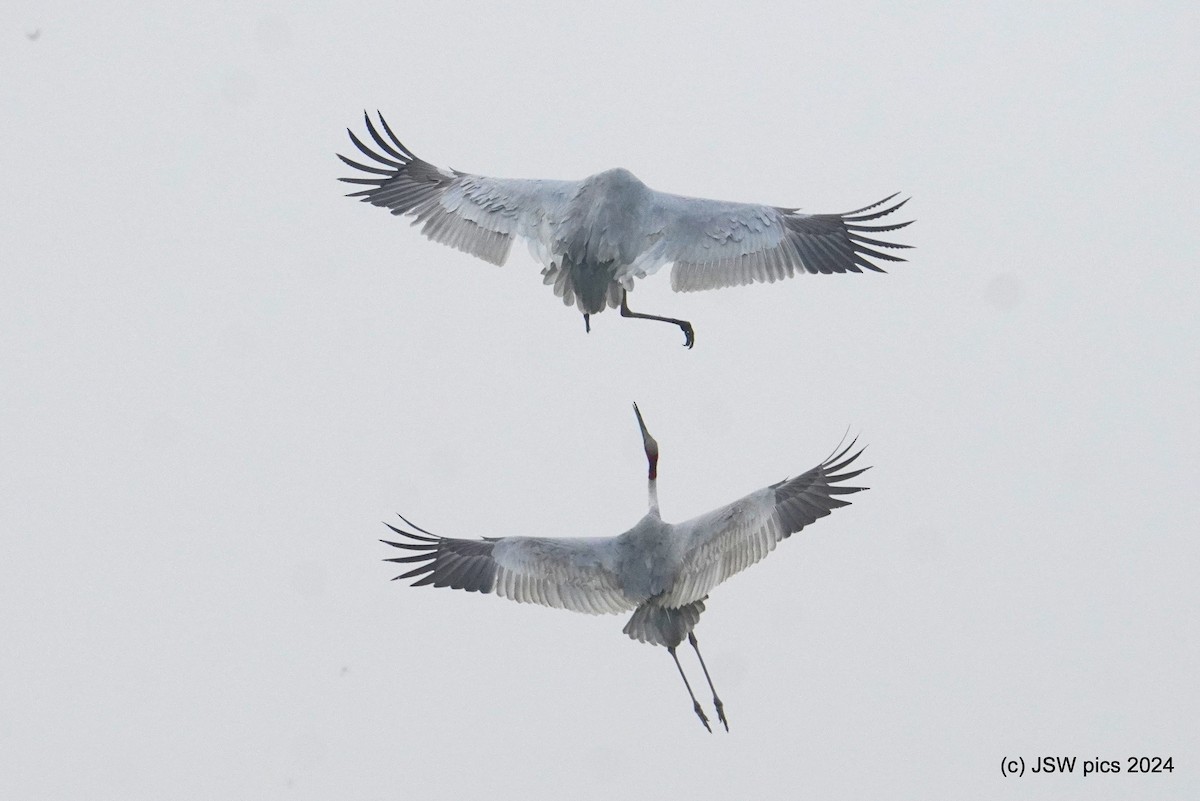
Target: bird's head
(649, 443)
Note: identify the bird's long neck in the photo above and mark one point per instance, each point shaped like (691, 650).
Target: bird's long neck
(652, 483)
(651, 460)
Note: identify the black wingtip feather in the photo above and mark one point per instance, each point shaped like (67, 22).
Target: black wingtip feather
(418, 571)
(831, 469)
(443, 561)
(408, 545)
(373, 182)
(875, 254)
(415, 558)
(414, 525)
(863, 247)
(838, 452)
(850, 475)
(387, 148)
(365, 168)
(409, 534)
(859, 260)
(858, 216)
(408, 153)
(880, 228)
(856, 239)
(874, 205)
(371, 154)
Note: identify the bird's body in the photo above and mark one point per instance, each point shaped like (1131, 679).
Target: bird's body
(661, 571)
(597, 236)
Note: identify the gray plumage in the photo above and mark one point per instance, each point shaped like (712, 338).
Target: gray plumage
(661, 570)
(595, 237)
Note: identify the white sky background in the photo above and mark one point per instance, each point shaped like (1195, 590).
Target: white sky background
(219, 376)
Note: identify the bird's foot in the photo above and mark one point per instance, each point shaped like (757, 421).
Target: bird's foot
(689, 336)
(702, 716)
(720, 712)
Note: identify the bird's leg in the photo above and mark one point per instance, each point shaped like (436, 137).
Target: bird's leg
(689, 336)
(716, 701)
(695, 703)
(587, 324)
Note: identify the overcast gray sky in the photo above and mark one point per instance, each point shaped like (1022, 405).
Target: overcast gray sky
(219, 376)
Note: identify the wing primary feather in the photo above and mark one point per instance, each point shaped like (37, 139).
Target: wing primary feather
(856, 239)
(879, 228)
(404, 150)
(380, 141)
(414, 558)
(806, 256)
(419, 571)
(414, 525)
(477, 577)
(834, 468)
(875, 254)
(412, 546)
(369, 153)
(857, 216)
(860, 261)
(410, 535)
(365, 168)
(873, 205)
(839, 451)
(838, 489)
(849, 475)
(454, 570)
(831, 257)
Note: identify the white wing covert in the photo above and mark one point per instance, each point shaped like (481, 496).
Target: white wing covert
(472, 213)
(726, 541)
(565, 573)
(714, 243)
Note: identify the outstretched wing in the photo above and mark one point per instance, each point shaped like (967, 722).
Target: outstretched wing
(473, 213)
(575, 574)
(730, 539)
(714, 243)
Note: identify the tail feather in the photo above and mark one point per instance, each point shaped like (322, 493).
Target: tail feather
(661, 625)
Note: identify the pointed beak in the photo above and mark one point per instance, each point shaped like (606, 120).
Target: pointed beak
(648, 442)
